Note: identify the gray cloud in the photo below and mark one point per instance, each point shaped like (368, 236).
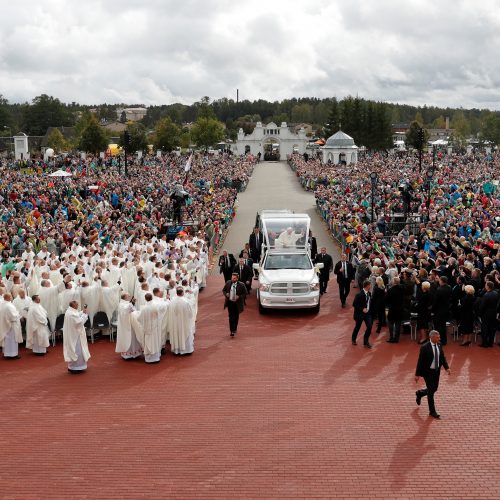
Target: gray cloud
(419, 52)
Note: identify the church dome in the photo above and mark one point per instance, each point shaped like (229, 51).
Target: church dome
(340, 140)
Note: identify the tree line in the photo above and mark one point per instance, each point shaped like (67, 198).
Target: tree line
(206, 122)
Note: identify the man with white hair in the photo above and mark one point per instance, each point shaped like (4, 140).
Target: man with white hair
(76, 350)
(288, 238)
(37, 331)
(10, 328)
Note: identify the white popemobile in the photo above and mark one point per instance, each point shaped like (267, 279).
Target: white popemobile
(288, 279)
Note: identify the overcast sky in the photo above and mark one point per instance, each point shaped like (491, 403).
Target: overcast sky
(435, 52)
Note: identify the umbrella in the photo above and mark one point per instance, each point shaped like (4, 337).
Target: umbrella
(60, 173)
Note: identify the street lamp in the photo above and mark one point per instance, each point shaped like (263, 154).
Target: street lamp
(430, 175)
(373, 178)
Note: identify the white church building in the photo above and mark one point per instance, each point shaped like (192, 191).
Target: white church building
(281, 140)
(339, 148)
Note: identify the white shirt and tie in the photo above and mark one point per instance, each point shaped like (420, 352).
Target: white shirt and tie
(435, 361)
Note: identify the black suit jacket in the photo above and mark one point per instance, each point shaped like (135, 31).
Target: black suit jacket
(340, 274)
(488, 305)
(241, 291)
(324, 273)
(244, 275)
(223, 263)
(442, 303)
(359, 304)
(426, 357)
(255, 249)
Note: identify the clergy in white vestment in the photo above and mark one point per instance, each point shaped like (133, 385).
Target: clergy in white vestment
(163, 304)
(126, 340)
(288, 238)
(37, 330)
(70, 293)
(110, 298)
(181, 324)
(22, 303)
(49, 298)
(147, 325)
(10, 328)
(90, 294)
(76, 350)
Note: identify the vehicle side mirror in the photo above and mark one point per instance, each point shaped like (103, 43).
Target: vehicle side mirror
(320, 265)
(256, 267)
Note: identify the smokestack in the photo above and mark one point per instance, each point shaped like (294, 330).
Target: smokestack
(237, 96)
(447, 122)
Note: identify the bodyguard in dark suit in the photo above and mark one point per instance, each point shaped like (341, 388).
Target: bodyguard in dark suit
(429, 364)
(324, 274)
(234, 292)
(394, 300)
(362, 313)
(488, 309)
(344, 271)
(226, 264)
(313, 245)
(255, 240)
(441, 308)
(244, 273)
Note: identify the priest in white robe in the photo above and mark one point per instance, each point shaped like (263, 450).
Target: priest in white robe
(37, 330)
(49, 298)
(181, 324)
(10, 328)
(147, 325)
(76, 350)
(126, 340)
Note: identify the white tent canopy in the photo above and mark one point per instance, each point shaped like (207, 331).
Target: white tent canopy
(60, 173)
(439, 142)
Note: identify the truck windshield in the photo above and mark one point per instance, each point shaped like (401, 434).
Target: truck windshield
(290, 261)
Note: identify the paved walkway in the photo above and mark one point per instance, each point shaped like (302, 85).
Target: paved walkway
(274, 186)
(286, 409)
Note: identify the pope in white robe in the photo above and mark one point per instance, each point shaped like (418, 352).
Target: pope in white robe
(37, 330)
(147, 325)
(10, 328)
(126, 340)
(76, 350)
(288, 238)
(181, 324)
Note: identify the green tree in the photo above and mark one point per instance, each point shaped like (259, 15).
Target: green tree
(56, 141)
(460, 124)
(439, 122)
(93, 137)
(44, 112)
(333, 124)
(167, 135)
(123, 117)
(490, 129)
(302, 113)
(412, 136)
(138, 140)
(206, 132)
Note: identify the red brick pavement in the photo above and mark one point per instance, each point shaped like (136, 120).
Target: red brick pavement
(287, 409)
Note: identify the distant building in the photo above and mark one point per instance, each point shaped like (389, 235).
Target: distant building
(132, 114)
(115, 126)
(278, 142)
(339, 148)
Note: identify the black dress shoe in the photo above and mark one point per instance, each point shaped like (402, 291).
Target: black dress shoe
(435, 415)
(232, 334)
(368, 345)
(391, 341)
(419, 397)
(482, 345)
(354, 342)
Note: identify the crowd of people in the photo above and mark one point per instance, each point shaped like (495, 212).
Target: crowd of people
(100, 250)
(441, 265)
